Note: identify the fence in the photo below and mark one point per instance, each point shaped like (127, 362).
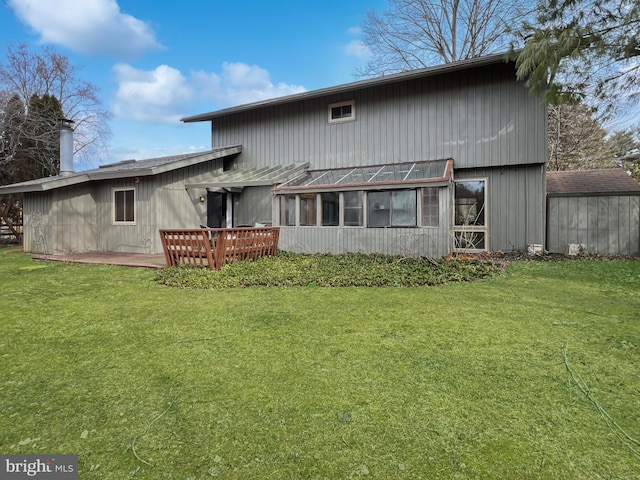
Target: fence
(7, 236)
(215, 247)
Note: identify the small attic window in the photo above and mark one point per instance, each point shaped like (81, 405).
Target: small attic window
(342, 112)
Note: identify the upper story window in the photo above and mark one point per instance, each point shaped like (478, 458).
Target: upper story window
(342, 112)
(124, 205)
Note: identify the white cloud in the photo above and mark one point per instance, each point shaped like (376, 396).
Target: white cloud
(87, 26)
(165, 95)
(157, 96)
(355, 48)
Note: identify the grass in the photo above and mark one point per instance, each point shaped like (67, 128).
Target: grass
(463, 380)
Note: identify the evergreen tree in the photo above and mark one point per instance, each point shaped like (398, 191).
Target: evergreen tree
(625, 145)
(586, 50)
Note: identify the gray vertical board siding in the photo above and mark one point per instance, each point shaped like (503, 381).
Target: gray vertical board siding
(61, 221)
(429, 242)
(37, 221)
(162, 201)
(252, 206)
(515, 205)
(480, 118)
(607, 225)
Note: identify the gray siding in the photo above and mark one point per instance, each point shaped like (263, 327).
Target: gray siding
(60, 222)
(515, 205)
(161, 202)
(252, 206)
(480, 118)
(607, 225)
(80, 218)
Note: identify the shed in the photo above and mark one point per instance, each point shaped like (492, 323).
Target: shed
(596, 208)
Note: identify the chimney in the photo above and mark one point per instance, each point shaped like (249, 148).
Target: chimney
(66, 147)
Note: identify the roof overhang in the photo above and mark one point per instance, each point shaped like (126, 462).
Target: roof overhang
(127, 169)
(361, 84)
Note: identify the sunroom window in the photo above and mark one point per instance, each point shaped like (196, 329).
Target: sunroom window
(394, 208)
(470, 229)
(330, 202)
(288, 210)
(353, 211)
(430, 207)
(308, 209)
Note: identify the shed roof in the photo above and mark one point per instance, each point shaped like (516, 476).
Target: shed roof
(613, 181)
(124, 169)
(349, 87)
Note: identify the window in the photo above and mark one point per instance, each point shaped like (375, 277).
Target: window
(342, 112)
(288, 210)
(470, 228)
(330, 202)
(124, 205)
(352, 209)
(308, 209)
(395, 208)
(430, 207)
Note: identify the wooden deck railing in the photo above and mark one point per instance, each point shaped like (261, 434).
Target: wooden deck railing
(215, 247)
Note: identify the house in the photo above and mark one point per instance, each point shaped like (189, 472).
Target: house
(599, 209)
(424, 162)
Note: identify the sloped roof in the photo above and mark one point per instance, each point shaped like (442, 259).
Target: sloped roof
(349, 87)
(368, 177)
(255, 177)
(613, 181)
(124, 169)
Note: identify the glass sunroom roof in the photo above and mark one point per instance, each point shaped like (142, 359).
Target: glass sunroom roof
(363, 176)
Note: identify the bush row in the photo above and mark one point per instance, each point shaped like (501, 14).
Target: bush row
(326, 270)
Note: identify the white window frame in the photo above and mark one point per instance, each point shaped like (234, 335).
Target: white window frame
(350, 118)
(113, 206)
(484, 229)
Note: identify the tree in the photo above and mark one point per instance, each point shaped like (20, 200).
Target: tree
(36, 91)
(419, 33)
(584, 50)
(625, 145)
(50, 74)
(576, 139)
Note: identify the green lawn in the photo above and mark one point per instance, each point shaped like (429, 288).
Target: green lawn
(462, 380)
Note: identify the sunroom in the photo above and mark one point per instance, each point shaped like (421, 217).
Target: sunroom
(399, 208)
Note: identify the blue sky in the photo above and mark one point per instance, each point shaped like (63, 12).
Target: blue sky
(156, 61)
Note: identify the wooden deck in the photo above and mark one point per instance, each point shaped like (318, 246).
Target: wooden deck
(141, 260)
(215, 247)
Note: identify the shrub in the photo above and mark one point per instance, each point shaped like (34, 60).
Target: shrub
(327, 270)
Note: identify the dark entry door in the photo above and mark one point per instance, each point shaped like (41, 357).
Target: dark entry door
(216, 210)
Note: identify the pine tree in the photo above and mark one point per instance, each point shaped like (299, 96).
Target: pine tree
(585, 50)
